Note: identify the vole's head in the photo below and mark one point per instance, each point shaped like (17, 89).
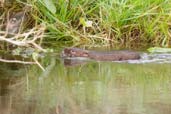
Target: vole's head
(14, 22)
(74, 52)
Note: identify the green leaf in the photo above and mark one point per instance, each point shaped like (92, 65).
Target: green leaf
(82, 21)
(50, 5)
(85, 23)
(35, 56)
(159, 49)
(49, 50)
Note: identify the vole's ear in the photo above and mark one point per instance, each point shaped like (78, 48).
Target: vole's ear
(66, 50)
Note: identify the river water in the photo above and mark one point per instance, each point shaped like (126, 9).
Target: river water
(87, 87)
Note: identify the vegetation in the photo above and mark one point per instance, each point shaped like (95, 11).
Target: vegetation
(114, 22)
(52, 24)
(92, 23)
(117, 23)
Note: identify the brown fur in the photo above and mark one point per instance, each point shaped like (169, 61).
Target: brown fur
(14, 22)
(101, 56)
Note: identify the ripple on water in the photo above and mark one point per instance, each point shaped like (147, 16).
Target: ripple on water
(152, 58)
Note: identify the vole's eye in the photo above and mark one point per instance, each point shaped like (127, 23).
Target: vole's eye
(73, 52)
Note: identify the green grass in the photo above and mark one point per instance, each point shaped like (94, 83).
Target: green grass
(117, 23)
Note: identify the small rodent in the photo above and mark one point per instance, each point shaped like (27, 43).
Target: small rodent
(116, 55)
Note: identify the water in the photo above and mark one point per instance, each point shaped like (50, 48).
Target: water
(86, 87)
(153, 58)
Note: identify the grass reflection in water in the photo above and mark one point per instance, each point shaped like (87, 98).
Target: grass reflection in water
(93, 88)
(105, 87)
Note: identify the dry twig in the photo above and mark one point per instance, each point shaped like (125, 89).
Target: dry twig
(31, 38)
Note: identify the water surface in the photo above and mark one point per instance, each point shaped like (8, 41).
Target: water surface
(89, 88)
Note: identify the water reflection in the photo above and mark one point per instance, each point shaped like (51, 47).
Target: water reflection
(159, 108)
(74, 62)
(12, 90)
(95, 87)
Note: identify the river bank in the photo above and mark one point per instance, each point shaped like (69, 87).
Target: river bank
(117, 24)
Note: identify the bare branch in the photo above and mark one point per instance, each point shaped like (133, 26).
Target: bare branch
(26, 39)
(31, 38)
(16, 61)
(18, 43)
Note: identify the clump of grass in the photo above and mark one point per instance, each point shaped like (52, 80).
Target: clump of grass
(117, 23)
